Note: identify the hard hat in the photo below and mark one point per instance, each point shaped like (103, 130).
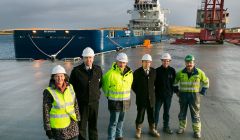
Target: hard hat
(58, 69)
(189, 58)
(88, 52)
(122, 57)
(166, 56)
(147, 57)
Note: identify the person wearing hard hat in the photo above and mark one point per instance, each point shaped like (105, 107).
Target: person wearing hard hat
(164, 90)
(189, 84)
(60, 107)
(86, 81)
(143, 86)
(117, 84)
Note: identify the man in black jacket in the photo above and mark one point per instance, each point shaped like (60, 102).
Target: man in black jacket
(86, 81)
(164, 91)
(143, 86)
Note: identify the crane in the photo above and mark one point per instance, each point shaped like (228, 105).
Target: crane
(212, 19)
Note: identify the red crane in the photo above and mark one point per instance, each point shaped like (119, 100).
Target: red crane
(212, 19)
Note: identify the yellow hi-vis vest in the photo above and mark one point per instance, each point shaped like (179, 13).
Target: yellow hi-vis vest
(62, 107)
(117, 87)
(192, 84)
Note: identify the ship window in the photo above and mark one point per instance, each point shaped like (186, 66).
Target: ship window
(111, 34)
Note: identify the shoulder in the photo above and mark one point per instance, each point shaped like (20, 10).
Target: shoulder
(200, 71)
(97, 68)
(172, 69)
(138, 70)
(79, 67)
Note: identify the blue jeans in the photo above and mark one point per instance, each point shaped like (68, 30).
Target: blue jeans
(166, 102)
(115, 128)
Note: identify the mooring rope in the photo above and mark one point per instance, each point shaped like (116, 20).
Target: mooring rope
(53, 55)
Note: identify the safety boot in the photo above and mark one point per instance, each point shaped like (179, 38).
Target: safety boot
(197, 135)
(138, 131)
(153, 131)
(167, 130)
(180, 131)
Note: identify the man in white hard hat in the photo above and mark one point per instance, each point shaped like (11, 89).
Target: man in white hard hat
(143, 86)
(86, 81)
(60, 107)
(164, 90)
(117, 84)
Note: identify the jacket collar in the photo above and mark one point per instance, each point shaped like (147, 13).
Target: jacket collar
(194, 72)
(126, 71)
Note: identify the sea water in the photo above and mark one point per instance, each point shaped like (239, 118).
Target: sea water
(6, 47)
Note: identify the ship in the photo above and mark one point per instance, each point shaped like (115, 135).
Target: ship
(148, 22)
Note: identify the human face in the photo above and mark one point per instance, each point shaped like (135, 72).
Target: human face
(88, 61)
(121, 65)
(165, 62)
(59, 79)
(189, 65)
(146, 64)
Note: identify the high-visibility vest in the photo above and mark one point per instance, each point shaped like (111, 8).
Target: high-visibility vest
(117, 87)
(62, 107)
(192, 84)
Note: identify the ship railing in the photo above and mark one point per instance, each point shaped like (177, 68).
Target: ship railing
(74, 59)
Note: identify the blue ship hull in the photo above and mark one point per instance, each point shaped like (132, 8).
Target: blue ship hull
(42, 44)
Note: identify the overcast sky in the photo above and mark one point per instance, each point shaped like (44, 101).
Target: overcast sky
(75, 14)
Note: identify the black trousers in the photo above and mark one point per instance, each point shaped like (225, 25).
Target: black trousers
(89, 116)
(141, 113)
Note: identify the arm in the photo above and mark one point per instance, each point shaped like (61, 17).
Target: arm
(47, 105)
(101, 76)
(77, 110)
(176, 84)
(134, 84)
(205, 84)
(105, 83)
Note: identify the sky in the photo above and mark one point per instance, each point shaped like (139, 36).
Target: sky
(75, 14)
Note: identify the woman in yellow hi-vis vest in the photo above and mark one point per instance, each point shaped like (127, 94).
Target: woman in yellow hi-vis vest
(60, 108)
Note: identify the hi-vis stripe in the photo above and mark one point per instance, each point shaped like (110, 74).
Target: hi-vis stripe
(61, 115)
(188, 89)
(189, 83)
(125, 95)
(59, 106)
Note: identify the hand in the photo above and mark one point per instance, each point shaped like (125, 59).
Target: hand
(49, 134)
(203, 91)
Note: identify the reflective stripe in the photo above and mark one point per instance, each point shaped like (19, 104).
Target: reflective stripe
(119, 96)
(72, 112)
(59, 115)
(56, 99)
(175, 84)
(63, 106)
(58, 106)
(72, 93)
(188, 89)
(119, 99)
(189, 83)
(123, 92)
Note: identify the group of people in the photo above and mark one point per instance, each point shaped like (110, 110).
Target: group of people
(70, 104)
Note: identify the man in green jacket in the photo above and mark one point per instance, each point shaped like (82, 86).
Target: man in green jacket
(189, 82)
(117, 84)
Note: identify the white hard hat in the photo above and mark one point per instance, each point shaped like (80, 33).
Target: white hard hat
(147, 57)
(58, 69)
(166, 56)
(88, 52)
(122, 57)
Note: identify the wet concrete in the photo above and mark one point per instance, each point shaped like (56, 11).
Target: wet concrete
(22, 83)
